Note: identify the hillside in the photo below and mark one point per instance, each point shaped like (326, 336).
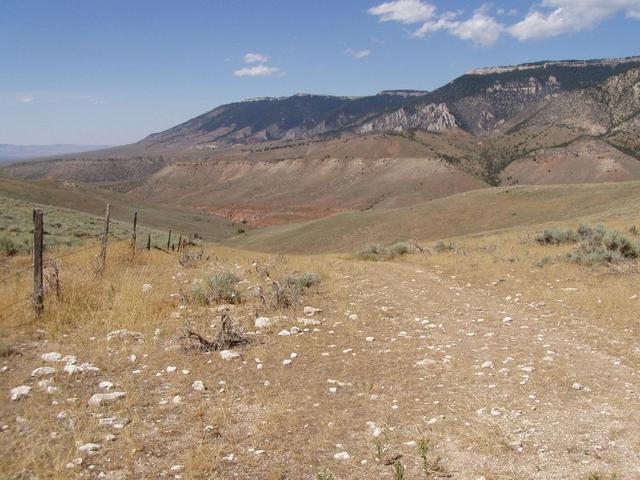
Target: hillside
(270, 161)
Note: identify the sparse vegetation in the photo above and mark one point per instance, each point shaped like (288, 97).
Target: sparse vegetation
(377, 252)
(430, 464)
(221, 288)
(398, 470)
(8, 246)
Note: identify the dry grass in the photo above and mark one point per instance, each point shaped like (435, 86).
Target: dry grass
(283, 421)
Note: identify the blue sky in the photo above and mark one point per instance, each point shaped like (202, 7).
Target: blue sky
(111, 72)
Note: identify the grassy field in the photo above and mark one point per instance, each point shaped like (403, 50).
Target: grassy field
(505, 366)
(93, 201)
(463, 214)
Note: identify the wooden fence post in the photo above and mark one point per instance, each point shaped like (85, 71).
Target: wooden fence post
(149, 242)
(134, 236)
(38, 247)
(103, 245)
(169, 240)
(179, 242)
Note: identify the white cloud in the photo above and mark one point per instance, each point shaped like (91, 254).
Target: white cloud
(556, 17)
(357, 53)
(480, 28)
(257, 71)
(405, 11)
(25, 98)
(255, 58)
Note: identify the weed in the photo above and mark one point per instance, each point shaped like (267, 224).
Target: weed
(324, 475)
(556, 236)
(430, 464)
(543, 261)
(381, 252)
(300, 281)
(221, 288)
(398, 470)
(8, 246)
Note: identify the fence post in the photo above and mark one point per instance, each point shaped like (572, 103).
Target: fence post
(169, 240)
(149, 242)
(179, 242)
(103, 245)
(134, 236)
(38, 247)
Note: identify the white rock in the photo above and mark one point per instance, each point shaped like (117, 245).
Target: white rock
(308, 310)
(51, 357)
(229, 458)
(177, 399)
(76, 462)
(69, 359)
(198, 386)
(43, 371)
(105, 398)
(171, 369)
(341, 456)
(411, 444)
(228, 354)
(147, 287)
(286, 362)
(487, 364)
(295, 331)
(308, 322)
(262, 322)
(576, 386)
(176, 468)
(89, 448)
(105, 385)
(294, 355)
(20, 392)
(132, 358)
(369, 339)
(284, 333)
(124, 334)
(426, 362)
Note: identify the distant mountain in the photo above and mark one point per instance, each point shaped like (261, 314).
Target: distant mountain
(276, 160)
(10, 152)
(478, 102)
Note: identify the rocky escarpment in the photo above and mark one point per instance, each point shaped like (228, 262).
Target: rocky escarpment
(432, 118)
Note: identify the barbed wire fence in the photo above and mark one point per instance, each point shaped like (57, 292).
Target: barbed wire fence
(43, 257)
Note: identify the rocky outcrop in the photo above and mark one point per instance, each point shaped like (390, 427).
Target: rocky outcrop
(432, 118)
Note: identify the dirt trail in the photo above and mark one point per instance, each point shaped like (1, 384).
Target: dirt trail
(504, 386)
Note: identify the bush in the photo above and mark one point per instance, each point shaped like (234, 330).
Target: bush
(300, 281)
(556, 237)
(380, 252)
(7, 246)
(600, 246)
(222, 288)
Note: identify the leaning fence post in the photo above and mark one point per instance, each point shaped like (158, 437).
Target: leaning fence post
(103, 245)
(179, 242)
(169, 240)
(149, 242)
(133, 236)
(38, 247)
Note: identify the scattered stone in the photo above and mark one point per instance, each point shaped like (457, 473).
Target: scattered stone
(487, 364)
(369, 339)
(171, 369)
(198, 386)
(342, 456)
(43, 371)
(105, 398)
(124, 334)
(425, 362)
(262, 322)
(176, 468)
(69, 359)
(308, 322)
(228, 354)
(105, 385)
(229, 458)
(76, 462)
(177, 399)
(411, 444)
(147, 287)
(20, 392)
(286, 362)
(51, 357)
(295, 331)
(576, 386)
(308, 310)
(89, 448)
(284, 333)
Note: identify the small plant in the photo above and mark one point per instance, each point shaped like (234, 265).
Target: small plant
(430, 465)
(324, 475)
(398, 470)
(221, 288)
(556, 237)
(300, 281)
(7, 246)
(441, 247)
(543, 261)
(380, 252)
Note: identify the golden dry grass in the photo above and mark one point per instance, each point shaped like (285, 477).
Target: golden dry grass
(573, 324)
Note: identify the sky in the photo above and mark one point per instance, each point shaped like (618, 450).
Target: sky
(111, 72)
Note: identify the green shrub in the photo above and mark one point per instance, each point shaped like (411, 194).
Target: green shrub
(599, 246)
(221, 287)
(381, 252)
(556, 237)
(7, 246)
(441, 247)
(300, 281)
